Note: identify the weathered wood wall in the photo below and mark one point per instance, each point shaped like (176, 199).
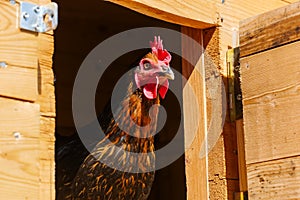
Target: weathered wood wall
(27, 109)
(270, 46)
(27, 90)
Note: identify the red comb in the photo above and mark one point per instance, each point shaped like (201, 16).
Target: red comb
(159, 51)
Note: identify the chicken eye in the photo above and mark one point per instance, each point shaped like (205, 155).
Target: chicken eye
(147, 66)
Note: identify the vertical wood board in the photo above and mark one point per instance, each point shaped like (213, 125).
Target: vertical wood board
(243, 187)
(46, 95)
(46, 99)
(46, 159)
(196, 167)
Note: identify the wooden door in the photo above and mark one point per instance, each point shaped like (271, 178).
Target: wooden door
(270, 74)
(27, 108)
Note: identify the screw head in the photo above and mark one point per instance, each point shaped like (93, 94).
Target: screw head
(37, 9)
(17, 135)
(26, 15)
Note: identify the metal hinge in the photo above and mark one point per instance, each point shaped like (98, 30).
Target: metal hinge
(38, 18)
(234, 84)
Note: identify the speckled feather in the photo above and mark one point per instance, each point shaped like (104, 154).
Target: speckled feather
(95, 180)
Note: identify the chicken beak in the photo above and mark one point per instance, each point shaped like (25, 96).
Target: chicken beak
(168, 73)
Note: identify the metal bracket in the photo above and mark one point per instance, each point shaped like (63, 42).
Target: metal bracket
(234, 85)
(38, 18)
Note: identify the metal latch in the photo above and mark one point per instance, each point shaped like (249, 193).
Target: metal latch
(38, 18)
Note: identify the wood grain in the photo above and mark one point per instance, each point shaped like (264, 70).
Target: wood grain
(17, 48)
(274, 70)
(221, 157)
(243, 187)
(46, 158)
(270, 85)
(46, 96)
(18, 82)
(278, 179)
(19, 78)
(19, 171)
(27, 164)
(269, 30)
(272, 126)
(196, 170)
(17, 116)
(19, 168)
(46, 99)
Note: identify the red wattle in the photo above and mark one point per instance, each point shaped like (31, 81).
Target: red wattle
(163, 89)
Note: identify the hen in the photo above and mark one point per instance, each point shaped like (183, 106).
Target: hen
(121, 165)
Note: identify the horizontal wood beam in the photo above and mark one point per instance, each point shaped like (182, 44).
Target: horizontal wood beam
(197, 14)
(278, 179)
(19, 154)
(270, 30)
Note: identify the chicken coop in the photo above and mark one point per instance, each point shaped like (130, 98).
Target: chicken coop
(245, 78)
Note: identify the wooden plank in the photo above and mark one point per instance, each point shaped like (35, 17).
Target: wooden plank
(19, 134)
(19, 169)
(272, 126)
(19, 78)
(270, 85)
(275, 70)
(46, 96)
(17, 116)
(46, 158)
(269, 30)
(197, 14)
(278, 179)
(18, 82)
(46, 99)
(17, 48)
(241, 155)
(196, 170)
